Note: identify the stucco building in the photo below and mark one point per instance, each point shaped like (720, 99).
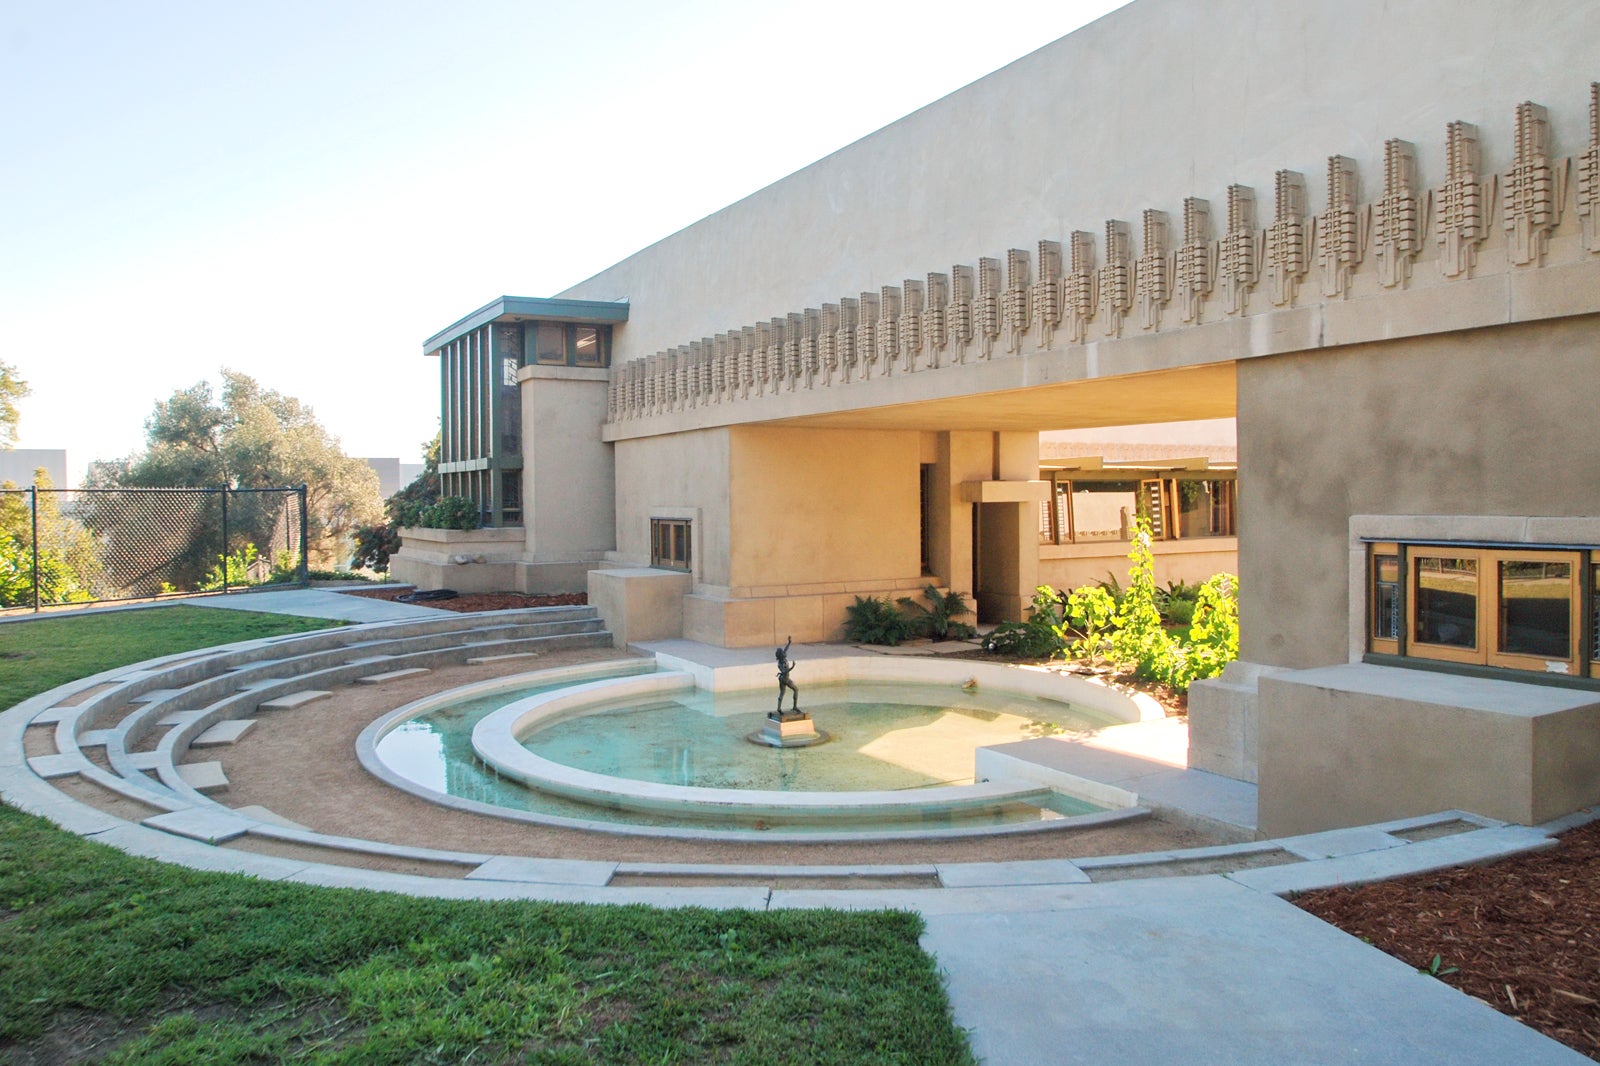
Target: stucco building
(1371, 231)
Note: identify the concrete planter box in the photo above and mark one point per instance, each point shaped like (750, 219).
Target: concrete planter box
(467, 560)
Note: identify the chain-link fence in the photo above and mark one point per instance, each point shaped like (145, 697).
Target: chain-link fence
(92, 545)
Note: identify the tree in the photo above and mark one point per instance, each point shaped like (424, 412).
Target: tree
(69, 567)
(376, 543)
(12, 389)
(250, 438)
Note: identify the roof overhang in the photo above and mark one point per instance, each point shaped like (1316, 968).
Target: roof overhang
(529, 308)
(1191, 464)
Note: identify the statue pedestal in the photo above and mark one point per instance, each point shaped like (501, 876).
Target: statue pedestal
(794, 731)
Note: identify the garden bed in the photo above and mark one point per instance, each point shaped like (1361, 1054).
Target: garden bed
(468, 602)
(1519, 934)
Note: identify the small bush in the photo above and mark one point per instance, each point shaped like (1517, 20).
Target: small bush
(451, 512)
(1176, 602)
(1033, 639)
(938, 619)
(873, 621)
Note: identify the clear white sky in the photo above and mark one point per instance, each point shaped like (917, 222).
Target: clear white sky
(308, 189)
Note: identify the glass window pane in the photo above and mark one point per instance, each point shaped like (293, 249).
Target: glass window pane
(588, 348)
(550, 344)
(1536, 608)
(1386, 597)
(1447, 601)
(1205, 508)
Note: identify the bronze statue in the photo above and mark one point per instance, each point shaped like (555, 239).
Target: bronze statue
(784, 666)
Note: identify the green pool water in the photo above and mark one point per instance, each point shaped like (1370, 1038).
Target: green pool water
(882, 737)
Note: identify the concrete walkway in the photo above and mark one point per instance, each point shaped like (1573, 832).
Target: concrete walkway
(317, 603)
(1202, 970)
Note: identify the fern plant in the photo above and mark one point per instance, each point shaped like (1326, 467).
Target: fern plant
(938, 619)
(873, 621)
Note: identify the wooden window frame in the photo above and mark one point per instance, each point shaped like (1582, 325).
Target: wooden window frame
(1583, 600)
(1422, 649)
(666, 536)
(1490, 581)
(1379, 645)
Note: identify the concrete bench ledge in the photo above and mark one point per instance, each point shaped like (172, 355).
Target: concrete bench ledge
(392, 675)
(223, 733)
(293, 700)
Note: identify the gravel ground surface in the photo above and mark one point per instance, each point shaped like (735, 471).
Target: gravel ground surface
(302, 765)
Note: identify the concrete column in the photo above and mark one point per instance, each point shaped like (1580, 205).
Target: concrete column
(568, 475)
(962, 457)
(1009, 540)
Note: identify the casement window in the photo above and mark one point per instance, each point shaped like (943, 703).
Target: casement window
(1510, 607)
(669, 543)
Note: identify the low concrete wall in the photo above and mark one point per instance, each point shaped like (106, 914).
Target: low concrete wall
(639, 604)
(1224, 721)
(805, 612)
(1354, 744)
(1070, 566)
(467, 560)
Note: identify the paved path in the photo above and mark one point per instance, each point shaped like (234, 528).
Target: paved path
(317, 603)
(1202, 970)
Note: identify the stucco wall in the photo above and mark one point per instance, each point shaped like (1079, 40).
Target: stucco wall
(1157, 101)
(1489, 422)
(1070, 566)
(567, 477)
(684, 475)
(823, 506)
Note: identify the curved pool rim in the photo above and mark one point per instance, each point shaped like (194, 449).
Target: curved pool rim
(596, 686)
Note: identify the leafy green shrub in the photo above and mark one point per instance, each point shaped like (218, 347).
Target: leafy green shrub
(1214, 636)
(239, 565)
(873, 621)
(58, 581)
(1176, 602)
(375, 544)
(336, 575)
(1088, 622)
(1040, 637)
(938, 619)
(1140, 639)
(451, 512)
(1178, 612)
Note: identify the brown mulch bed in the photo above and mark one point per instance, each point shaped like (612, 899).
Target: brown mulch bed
(1519, 934)
(467, 602)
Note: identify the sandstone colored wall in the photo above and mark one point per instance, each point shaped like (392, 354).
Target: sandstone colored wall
(1160, 100)
(684, 475)
(568, 475)
(1488, 422)
(823, 507)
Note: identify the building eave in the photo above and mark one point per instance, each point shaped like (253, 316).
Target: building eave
(526, 308)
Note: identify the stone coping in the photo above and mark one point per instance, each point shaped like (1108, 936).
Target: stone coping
(497, 741)
(643, 676)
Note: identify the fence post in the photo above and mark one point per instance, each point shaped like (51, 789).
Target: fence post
(305, 549)
(224, 540)
(34, 495)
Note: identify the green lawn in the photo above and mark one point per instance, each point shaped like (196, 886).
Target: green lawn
(109, 955)
(41, 653)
